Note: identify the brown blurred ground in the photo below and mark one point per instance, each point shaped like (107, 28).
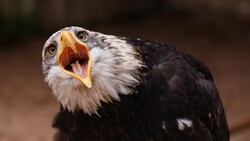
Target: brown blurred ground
(27, 106)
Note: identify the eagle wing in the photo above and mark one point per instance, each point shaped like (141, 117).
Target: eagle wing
(189, 105)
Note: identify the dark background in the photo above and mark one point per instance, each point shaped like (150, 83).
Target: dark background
(215, 31)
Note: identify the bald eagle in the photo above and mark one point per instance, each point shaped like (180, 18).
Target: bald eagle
(114, 88)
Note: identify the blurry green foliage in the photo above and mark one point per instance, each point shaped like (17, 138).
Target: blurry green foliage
(15, 22)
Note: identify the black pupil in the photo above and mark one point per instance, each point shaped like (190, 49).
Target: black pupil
(81, 35)
(52, 49)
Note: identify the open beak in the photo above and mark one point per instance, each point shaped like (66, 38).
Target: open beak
(74, 58)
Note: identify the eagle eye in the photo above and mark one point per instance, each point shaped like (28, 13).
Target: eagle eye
(81, 35)
(52, 50)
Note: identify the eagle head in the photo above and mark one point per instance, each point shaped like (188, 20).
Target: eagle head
(85, 68)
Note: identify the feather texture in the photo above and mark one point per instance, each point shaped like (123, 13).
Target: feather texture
(142, 91)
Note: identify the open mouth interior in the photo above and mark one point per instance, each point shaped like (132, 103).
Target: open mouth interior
(76, 63)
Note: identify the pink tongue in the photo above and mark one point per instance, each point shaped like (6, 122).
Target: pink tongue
(80, 70)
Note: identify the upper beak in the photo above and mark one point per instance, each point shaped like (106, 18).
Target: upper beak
(74, 58)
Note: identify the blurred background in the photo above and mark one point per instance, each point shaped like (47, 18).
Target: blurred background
(215, 31)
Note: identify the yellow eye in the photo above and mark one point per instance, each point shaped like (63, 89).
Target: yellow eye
(52, 50)
(82, 36)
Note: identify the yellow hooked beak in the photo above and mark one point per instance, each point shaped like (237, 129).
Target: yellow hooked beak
(74, 58)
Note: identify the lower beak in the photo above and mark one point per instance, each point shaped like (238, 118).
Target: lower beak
(74, 58)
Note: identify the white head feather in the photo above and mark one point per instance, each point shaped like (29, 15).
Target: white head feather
(115, 70)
